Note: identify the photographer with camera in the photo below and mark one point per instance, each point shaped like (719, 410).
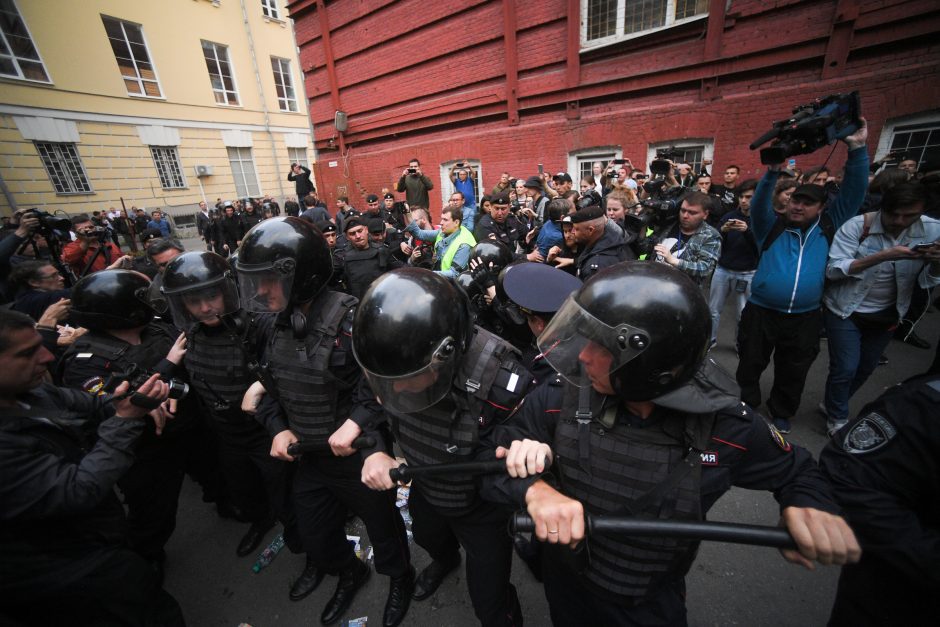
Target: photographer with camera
(63, 559)
(90, 252)
(782, 313)
(415, 185)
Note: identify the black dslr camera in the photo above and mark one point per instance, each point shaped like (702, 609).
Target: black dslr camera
(811, 127)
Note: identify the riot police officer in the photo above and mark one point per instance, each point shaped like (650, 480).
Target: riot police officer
(316, 393)
(883, 467)
(638, 424)
(445, 383)
(123, 342)
(202, 297)
(364, 260)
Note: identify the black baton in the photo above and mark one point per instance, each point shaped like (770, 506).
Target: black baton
(756, 535)
(323, 446)
(406, 473)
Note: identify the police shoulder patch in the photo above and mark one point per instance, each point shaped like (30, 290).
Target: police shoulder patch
(869, 434)
(778, 438)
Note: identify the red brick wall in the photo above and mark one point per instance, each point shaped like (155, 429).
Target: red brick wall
(429, 80)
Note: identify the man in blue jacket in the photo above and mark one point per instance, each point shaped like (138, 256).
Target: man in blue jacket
(782, 314)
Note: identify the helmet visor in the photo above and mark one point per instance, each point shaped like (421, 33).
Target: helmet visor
(572, 330)
(266, 288)
(204, 303)
(416, 391)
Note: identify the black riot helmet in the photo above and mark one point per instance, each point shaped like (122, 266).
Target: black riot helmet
(651, 318)
(199, 287)
(282, 261)
(111, 299)
(491, 251)
(410, 331)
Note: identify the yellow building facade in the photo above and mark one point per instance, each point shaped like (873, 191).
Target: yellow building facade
(161, 103)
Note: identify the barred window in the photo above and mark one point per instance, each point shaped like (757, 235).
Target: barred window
(18, 55)
(692, 151)
(221, 76)
(269, 8)
(284, 86)
(298, 155)
(133, 59)
(608, 21)
(243, 171)
(167, 161)
(64, 167)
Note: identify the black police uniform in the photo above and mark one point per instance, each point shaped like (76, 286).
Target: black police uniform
(673, 465)
(319, 386)
(884, 467)
(217, 362)
(152, 485)
(63, 555)
(361, 267)
(447, 510)
(510, 232)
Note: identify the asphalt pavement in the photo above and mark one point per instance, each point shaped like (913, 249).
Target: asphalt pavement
(727, 585)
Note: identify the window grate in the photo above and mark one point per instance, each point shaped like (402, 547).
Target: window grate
(64, 167)
(167, 161)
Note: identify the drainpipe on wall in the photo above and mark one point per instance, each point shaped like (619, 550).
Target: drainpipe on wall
(8, 195)
(264, 102)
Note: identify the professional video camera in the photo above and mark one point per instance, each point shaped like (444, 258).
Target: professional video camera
(812, 126)
(660, 165)
(50, 225)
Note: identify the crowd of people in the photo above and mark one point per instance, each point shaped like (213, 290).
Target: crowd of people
(561, 334)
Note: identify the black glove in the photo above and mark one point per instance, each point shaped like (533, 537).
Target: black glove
(482, 276)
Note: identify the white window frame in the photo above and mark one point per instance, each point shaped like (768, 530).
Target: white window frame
(16, 60)
(288, 105)
(599, 153)
(447, 188)
(890, 129)
(66, 171)
(707, 144)
(298, 155)
(269, 10)
(139, 78)
(619, 35)
(228, 59)
(243, 187)
(166, 160)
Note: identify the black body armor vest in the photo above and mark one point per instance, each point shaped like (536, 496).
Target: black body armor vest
(488, 386)
(309, 393)
(651, 472)
(361, 267)
(218, 368)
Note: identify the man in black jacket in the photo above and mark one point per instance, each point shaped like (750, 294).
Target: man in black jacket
(301, 178)
(64, 559)
(601, 240)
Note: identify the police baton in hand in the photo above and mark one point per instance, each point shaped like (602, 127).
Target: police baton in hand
(323, 446)
(776, 537)
(407, 473)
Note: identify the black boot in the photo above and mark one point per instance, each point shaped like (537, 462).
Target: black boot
(431, 577)
(399, 598)
(307, 582)
(351, 579)
(252, 539)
